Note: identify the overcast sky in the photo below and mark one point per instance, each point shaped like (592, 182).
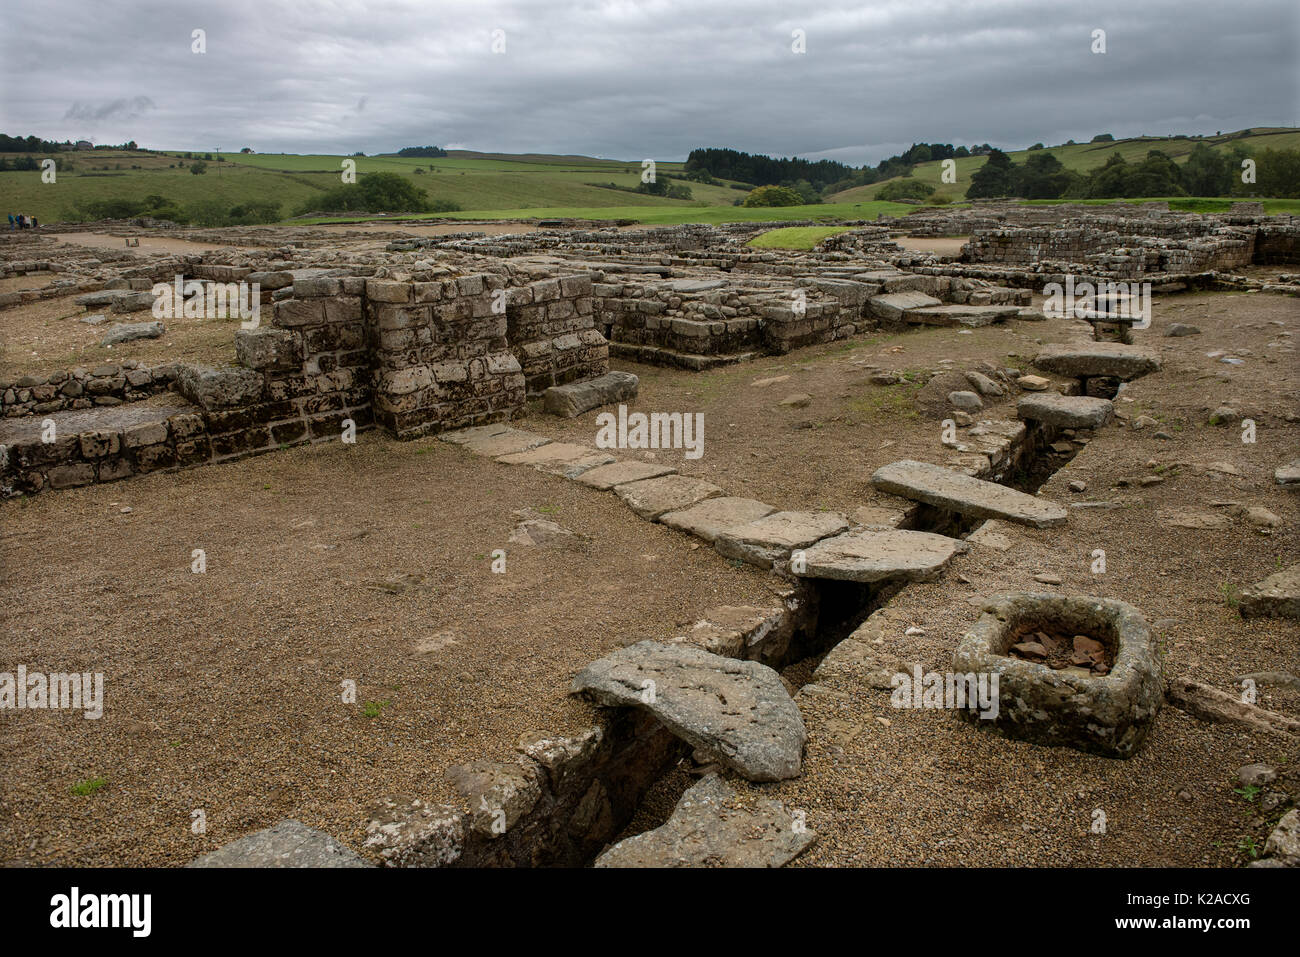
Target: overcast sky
(648, 79)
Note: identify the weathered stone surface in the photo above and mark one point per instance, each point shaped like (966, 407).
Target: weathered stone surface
(1112, 359)
(1108, 715)
(965, 400)
(219, 388)
(651, 498)
(559, 458)
(739, 710)
(287, 844)
(1066, 411)
(772, 537)
(1288, 475)
(561, 756)
(959, 315)
(735, 630)
(268, 348)
(497, 794)
(716, 516)
(1179, 329)
(946, 489)
(495, 440)
(576, 398)
(407, 832)
(891, 306)
(1283, 843)
(869, 556)
(605, 477)
(130, 331)
(709, 829)
(1033, 383)
(1277, 596)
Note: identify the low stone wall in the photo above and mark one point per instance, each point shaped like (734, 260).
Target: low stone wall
(80, 388)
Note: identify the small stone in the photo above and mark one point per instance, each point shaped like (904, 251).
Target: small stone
(1255, 775)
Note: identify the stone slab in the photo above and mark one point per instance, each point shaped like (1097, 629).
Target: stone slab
(737, 710)
(559, 458)
(950, 490)
(1112, 359)
(708, 829)
(1066, 411)
(651, 498)
(871, 556)
(575, 398)
(772, 537)
(495, 444)
(287, 844)
(716, 516)
(605, 477)
(1277, 596)
(1288, 475)
(953, 314)
(891, 306)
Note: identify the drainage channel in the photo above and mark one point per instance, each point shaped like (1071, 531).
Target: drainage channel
(832, 610)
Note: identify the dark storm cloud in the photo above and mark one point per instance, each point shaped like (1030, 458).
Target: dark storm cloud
(648, 79)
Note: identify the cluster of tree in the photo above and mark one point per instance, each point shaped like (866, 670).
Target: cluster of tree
(422, 151)
(31, 163)
(1207, 172)
(376, 193)
(904, 188)
(732, 164)
(30, 144)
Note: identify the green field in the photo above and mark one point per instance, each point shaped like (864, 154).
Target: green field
(499, 186)
(1083, 158)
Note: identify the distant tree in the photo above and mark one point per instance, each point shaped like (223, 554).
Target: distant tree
(904, 189)
(1036, 146)
(1104, 138)
(992, 179)
(1208, 172)
(773, 196)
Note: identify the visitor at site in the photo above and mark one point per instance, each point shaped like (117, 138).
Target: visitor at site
(11, 220)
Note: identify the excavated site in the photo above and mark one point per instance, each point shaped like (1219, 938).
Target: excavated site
(584, 543)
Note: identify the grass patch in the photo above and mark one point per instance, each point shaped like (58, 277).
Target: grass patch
(796, 237)
(89, 786)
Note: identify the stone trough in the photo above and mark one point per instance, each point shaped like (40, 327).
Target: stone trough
(1106, 715)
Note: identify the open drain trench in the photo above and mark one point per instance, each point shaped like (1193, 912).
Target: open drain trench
(592, 786)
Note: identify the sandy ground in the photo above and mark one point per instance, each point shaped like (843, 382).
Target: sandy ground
(148, 244)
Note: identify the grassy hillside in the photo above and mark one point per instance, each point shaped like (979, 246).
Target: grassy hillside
(1084, 157)
(473, 181)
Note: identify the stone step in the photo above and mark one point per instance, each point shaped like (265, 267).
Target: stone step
(576, 398)
(1066, 411)
(872, 556)
(943, 488)
(894, 305)
(955, 314)
(736, 710)
(657, 355)
(1112, 359)
(708, 829)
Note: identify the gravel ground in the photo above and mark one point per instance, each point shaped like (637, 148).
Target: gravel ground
(223, 690)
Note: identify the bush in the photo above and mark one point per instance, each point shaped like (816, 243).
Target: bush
(198, 166)
(904, 189)
(373, 193)
(773, 196)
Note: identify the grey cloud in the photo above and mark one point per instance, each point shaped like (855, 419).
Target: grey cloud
(629, 80)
